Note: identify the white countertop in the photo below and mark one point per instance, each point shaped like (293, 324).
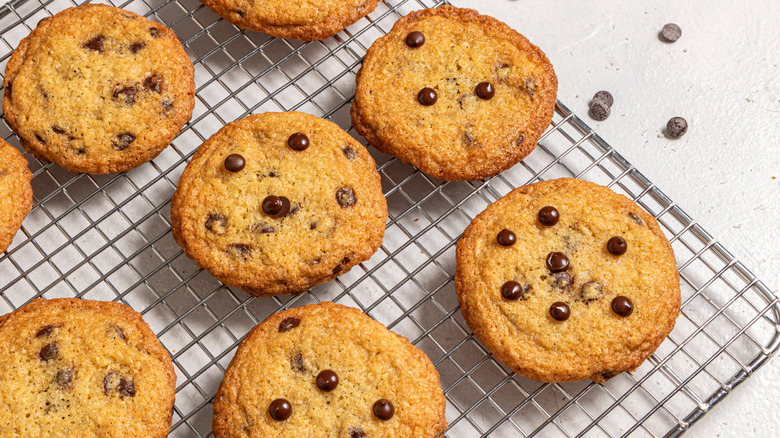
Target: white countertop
(723, 77)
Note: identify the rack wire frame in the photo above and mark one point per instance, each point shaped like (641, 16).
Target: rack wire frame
(108, 237)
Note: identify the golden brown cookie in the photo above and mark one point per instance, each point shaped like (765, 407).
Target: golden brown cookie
(276, 203)
(81, 368)
(16, 195)
(566, 280)
(98, 89)
(305, 20)
(457, 94)
(326, 370)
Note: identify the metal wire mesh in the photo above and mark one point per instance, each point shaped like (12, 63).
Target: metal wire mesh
(108, 238)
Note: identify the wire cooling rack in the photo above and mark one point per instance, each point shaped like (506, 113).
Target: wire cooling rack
(108, 238)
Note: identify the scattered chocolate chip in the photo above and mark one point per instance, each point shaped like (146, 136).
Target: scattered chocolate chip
(154, 32)
(280, 409)
(116, 332)
(560, 311)
(58, 130)
(591, 291)
(606, 375)
(45, 331)
(548, 216)
(122, 141)
(427, 96)
(384, 409)
(234, 163)
(520, 139)
(63, 378)
(298, 142)
(243, 249)
(635, 217)
(670, 33)
(676, 127)
(617, 245)
(49, 351)
(239, 12)
(513, 290)
(216, 223)
(315, 261)
(288, 324)
(604, 96)
(296, 362)
(485, 90)
(155, 83)
(95, 44)
(107, 382)
(350, 153)
(356, 432)
(506, 238)
(263, 228)
(622, 306)
(415, 39)
(167, 105)
(8, 89)
(126, 93)
(276, 206)
(341, 265)
(345, 197)
(530, 86)
(599, 111)
(327, 380)
(557, 262)
(562, 279)
(136, 47)
(39, 138)
(126, 387)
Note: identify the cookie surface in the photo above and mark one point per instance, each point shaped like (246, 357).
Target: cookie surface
(299, 20)
(98, 89)
(73, 367)
(457, 94)
(333, 213)
(565, 280)
(293, 355)
(16, 196)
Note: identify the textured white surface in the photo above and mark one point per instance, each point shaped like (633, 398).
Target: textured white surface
(723, 77)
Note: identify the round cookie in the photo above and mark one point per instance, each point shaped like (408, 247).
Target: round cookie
(459, 95)
(564, 280)
(328, 370)
(16, 195)
(276, 203)
(98, 89)
(298, 20)
(83, 368)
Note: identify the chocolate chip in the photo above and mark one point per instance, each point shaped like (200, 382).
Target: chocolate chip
(45, 331)
(136, 47)
(167, 105)
(122, 141)
(116, 332)
(63, 378)
(126, 387)
(415, 39)
(341, 264)
(280, 409)
(520, 139)
(604, 96)
(506, 238)
(298, 142)
(327, 380)
(513, 290)
(676, 127)
(296, 362)
(239, 12)
(548, 216)
(57, 129)
(155, 83)
(350, 153)
(262, 228)
(8, 89)
(234, 163)
(383, 409)
(635, 217)
(617, 245)
(606, 375)
(216, 223)
(356, 432)
(562, 279)
(485, 90)
(560, 311)
(154, 32)
(288, 324)
(126, 93)
(345, 197)
(49, 351)
(557, 262)
(622, 306)
(427, 96)
(530, 86)
(107, 382)
(95, 44)
(243, 249)
(39, 138)
(591, 291)
(670, 33)
(599, 111)
(276, 206)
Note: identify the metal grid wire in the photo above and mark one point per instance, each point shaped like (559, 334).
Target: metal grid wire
(108, 238)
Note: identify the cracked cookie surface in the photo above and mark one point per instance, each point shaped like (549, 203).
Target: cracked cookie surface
(587, 287)
(16, 195)
(264, 209)
(98, 89)
(72, 367)
(459, 95)
(340, 373)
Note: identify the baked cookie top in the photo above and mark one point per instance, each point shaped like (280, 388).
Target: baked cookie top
(565, 280)
(82, 368)
(275, 203)
(298, 20)
(98, 89)
(459, 95)
(328, 370)
(16, 195)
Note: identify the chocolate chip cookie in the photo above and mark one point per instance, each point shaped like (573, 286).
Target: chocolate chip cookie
(276, 203)
(565, 280)
(98, 89)
(298, 20)
(83, 368)
(328, 370)
(16, 195)
(459, 95)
